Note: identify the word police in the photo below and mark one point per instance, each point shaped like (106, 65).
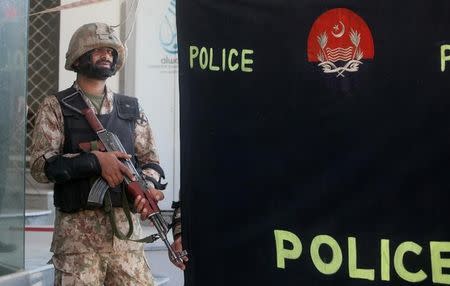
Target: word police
(225, 60)
(438, 256)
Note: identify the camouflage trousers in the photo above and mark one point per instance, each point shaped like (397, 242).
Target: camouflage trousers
(85, 251)
(123, 268)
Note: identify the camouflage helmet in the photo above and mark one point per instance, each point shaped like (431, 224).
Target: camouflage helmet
(91, 36)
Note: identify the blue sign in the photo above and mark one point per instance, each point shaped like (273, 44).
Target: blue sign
(168, 30)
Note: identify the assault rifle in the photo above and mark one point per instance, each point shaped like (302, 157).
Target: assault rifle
(135, 188)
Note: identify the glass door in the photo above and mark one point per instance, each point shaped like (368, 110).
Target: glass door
(13, 78)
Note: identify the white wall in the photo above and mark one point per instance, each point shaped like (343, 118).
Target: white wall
(107, 12)
(152, 76)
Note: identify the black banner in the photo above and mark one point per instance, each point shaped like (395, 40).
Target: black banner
(315, 141)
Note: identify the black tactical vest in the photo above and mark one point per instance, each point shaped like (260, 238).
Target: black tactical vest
(72, 196)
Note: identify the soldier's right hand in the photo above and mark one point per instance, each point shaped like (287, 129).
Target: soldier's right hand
(113, 171)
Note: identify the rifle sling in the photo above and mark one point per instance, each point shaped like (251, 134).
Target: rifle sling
(126, 209)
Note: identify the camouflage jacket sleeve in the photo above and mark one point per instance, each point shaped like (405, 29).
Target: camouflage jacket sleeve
(145, 146)
(47, 138)
(176, 220)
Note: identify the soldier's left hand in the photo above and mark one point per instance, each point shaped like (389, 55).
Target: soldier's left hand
(177, 246)
(140, 203)
(158, 195)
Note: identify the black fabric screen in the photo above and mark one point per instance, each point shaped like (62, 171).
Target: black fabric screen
(312, 160)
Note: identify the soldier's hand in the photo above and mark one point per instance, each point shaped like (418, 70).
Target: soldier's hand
(178, 247)
(113, 171)
(141, 204)
(158, 195)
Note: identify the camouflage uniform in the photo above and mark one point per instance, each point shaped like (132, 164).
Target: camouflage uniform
(85, 250)
(87, 253)
(176, 228)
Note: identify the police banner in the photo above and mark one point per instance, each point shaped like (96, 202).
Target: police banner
(315, 142)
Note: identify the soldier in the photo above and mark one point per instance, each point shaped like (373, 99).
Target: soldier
(65, 151)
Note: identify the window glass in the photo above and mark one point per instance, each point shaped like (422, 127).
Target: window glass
(13, 51)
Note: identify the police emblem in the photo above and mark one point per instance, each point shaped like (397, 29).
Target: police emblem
(339, 41)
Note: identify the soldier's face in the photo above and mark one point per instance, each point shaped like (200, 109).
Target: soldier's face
(99, 63)
(102, 57)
